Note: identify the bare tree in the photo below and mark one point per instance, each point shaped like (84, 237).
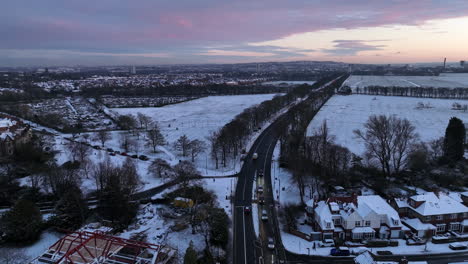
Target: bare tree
(144, 120)
(126, 142)
(103, 136)
(183, 144)
(215, 149)
(389, 140)
(186, 171)
(154, 137)
(160, 168)
(436, 148)
(196, 147)
(78, 151)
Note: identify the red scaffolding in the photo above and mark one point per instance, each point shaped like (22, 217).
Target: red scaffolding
(97, 247)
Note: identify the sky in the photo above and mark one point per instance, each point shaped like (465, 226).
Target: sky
(142, 32)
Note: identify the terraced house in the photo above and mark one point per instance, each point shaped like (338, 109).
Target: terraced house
(355, 218)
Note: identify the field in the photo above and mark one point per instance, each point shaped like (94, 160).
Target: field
(197, 118)
(347, 113)
(445, 80)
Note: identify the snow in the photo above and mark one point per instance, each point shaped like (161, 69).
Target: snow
(347, 113)
(47, 239)
(445, 80)
(223, 188)
(278, 83)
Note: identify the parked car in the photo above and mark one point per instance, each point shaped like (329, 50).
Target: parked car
(259, 173)
(260, 189)
(134, 156)
(110, 150)
(264, 215)
(327, 243)
(143, 157)
(96, 147)
(112, 153)
(255, 156)
(271, 243)
(124, 154)
(117, 152)
(457, 246)
(341, 251)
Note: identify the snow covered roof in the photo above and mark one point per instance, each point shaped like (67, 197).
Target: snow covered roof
(324, 216)
(6, 122)
(364, 258)
(401, 203)
(437, 205)
(382, 208)
(416, 224)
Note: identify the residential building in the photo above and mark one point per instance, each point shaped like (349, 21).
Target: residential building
(13, 132)
(444, 211)
(355, 218)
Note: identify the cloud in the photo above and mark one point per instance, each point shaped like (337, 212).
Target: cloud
(352, 47)
(217, 52)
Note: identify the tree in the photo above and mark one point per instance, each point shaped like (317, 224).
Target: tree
(126, 122)
(144, 120)
(436, 148)
(218, 221)
(418, 158)
(196, 147)
(160, 168)
(70, 211)
(191, 255)
(22, 223)
(155, 138)
(186, 171)
(183, 144)
(103, 136)
(215, 149)
(389, 140)
(126, 142)
(454, 140)
(115, 201)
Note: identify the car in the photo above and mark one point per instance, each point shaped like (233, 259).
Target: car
(143, 157)
(457, 246)
(112, 154)
(124, 154)
(134, 156)
(255, 156)
(117, 152)
(264, 215)
(328, 242)
(271, 243)
(341, 251)
(109, 150)
(260, 189)
(96, 147)
(247, 209)
(261, 200)
(259, 173)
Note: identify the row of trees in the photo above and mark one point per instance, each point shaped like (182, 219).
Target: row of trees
(305, 156)
(427, 92)
(230, 140)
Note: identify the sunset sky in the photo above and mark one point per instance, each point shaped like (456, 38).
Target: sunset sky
(109, 32)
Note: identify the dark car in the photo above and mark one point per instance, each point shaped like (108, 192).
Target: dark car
(112, 154)
(143, 157)
(134, 156)
(110, 150)
(96, 147)
(117, 152)
(260, 173)
(341, 251)
(247, 209)
(124, 154)
(261, 200)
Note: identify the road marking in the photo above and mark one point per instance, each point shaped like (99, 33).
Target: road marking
(245, 244)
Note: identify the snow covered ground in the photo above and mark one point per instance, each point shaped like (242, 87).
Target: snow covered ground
(288, 83)
(445, 80)
(347, 113)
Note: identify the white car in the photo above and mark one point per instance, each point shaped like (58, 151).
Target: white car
(327, 243)
(264, 215)
(255, 156)
(260, 189)
(271, 243)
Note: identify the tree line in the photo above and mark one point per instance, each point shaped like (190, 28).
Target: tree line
(426, 92)
(230, 140)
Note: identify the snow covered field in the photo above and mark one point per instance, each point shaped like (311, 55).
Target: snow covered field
(197, 118)
(445, 80)
(347, 113)
(288, 83)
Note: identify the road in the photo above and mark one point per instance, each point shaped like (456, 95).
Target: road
(246, 247)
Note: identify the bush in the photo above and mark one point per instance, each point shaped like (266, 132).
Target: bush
(219, 227)
(23, 223)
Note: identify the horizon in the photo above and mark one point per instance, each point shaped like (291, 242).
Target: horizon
(109, 33)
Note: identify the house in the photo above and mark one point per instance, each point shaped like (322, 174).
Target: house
(444, 211)
(355, 218)
(13, 132)
(367, 258)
